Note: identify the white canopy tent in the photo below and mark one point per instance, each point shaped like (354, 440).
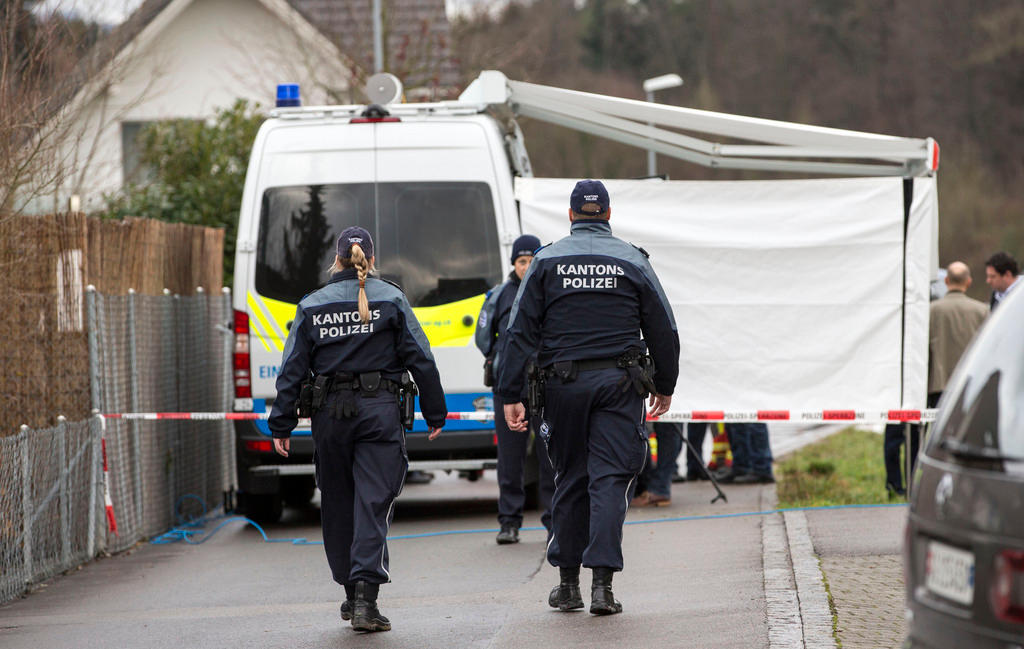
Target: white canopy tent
(787, 293)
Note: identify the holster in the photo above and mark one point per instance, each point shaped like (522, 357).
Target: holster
(534, 390)
(407, 401)
(488, 372)
(304, 406)
(639, 373)
(319, 390)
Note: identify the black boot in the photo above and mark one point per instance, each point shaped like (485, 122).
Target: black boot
(566, 595)
(365, 616)
(508, 534)
(602, 601)
(346, 606)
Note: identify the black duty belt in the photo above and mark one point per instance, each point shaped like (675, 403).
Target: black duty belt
(570, 368)
(314, 392)
(369, 383)
(639, 370)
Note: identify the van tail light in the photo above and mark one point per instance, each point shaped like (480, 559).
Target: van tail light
(1008, 586)
(373, 120)
(259, 445)
(240, 360)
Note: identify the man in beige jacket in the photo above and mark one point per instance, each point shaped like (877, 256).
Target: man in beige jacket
(952, 323)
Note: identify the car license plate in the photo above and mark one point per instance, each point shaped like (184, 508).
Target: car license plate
(949, 572)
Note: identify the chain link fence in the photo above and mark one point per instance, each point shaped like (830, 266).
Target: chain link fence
(146, 353)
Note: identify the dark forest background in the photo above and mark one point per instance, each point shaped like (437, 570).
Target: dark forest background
(953, 71)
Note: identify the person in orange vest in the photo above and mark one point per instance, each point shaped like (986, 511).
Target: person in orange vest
(721, 455)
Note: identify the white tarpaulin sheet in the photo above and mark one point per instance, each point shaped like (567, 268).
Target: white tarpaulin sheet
(788, 294)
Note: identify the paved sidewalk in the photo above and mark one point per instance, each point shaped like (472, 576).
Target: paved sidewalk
(688, 583)
(860, 552)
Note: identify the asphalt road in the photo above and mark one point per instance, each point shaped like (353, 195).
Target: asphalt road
(694, 583)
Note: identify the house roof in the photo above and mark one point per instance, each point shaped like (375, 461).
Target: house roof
(418, 36)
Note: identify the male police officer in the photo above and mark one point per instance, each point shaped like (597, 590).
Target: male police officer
(582, 306)
(512, 445)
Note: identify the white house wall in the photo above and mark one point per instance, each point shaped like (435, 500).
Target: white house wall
(212, 53)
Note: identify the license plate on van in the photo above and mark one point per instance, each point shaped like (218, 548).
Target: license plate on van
(949, 572)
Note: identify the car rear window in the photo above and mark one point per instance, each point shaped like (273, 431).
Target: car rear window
(437, 240)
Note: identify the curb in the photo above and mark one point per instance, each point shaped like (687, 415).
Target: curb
(795, 600)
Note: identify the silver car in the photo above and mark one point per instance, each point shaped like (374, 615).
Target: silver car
(964, 552)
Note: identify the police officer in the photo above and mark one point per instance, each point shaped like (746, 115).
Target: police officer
(582, 306)
(512, 445)
(351, 343)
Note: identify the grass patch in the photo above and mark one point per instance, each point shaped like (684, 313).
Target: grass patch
(843, 469)
(831, 606)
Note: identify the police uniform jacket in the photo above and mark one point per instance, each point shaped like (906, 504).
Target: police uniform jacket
(493, 319)
(328, 337)
(589, 296)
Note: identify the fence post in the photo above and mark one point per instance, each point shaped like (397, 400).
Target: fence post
(175, 437)
(95, 377)
(133, 359)
(65, 495)
(26, 501)
(203, 348)
(94, 476)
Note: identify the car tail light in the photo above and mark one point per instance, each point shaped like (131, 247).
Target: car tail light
(240, 360)
(259, 445)
(1008, 586)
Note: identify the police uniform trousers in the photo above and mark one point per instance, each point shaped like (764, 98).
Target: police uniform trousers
(360, 469)
(513, 448)
(597, 442)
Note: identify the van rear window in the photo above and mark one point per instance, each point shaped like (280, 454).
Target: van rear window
(437, 240)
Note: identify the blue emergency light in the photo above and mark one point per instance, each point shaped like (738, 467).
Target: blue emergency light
(288, 95)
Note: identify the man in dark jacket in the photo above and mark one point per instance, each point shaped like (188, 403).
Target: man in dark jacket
(1002, 274)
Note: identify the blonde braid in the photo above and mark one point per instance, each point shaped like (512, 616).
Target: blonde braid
(362, 266)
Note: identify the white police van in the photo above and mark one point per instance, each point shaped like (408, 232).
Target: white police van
(433, 184)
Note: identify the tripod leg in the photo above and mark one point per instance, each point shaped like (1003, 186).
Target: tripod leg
(700, 460)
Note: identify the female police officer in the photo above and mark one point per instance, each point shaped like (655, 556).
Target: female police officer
(351, 343)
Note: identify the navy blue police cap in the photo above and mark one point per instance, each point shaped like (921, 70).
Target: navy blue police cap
(589, 191)
(351, 235)
(526, 244)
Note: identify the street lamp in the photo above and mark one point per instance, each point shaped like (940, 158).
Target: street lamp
(652, 85)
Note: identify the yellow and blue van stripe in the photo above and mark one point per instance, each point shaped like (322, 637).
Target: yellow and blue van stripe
(445, 325)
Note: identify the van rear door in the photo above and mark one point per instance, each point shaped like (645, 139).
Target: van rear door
(315, 179)
(439, 220)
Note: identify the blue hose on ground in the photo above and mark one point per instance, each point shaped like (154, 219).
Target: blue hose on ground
(192, 532)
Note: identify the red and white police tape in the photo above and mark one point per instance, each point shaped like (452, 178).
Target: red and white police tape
(850, 416)
(854, 416)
